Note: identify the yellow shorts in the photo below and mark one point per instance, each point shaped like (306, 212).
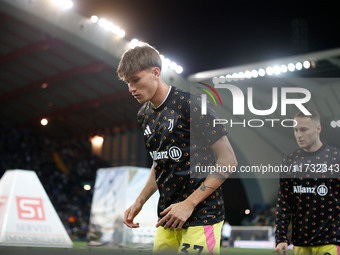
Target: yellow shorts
(327, 249)
(191, 240)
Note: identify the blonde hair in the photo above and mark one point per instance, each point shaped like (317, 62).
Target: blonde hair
(315, 115)
(138, 59)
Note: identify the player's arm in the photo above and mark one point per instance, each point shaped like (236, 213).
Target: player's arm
(177, 214)
(282, 218)
(148, 190)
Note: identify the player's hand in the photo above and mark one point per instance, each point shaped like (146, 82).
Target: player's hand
(176, 215)
(282, 248)
(130, 214)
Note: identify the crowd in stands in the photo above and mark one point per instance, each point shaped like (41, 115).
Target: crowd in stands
(262, 215)
(63, 167)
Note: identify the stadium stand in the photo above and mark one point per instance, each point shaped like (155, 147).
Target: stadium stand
(63, 167)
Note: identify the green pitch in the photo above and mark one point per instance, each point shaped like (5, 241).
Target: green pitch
(80, 248)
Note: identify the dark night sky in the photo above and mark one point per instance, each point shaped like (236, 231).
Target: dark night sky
(210, 34)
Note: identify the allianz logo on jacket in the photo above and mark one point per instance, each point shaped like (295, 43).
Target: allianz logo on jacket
(322, 190)
(174, 153)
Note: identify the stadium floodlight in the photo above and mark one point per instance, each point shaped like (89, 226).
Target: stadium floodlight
(97, 140)
(254, 73)
(283, 68)
(241, 75)
(44, 122)
(269, 70)
(166, 63)
(64, 4)
(247, 74)
(102, 22)
(121, 33)
(107, 25)
(87, 187)
(215, 80)
(94, 19)
(276, 69)
(173, 65)
(306, 64)
(68, 4)
(115, 29)
(118, 31)
(234, 76)
(179, 69)
(134, 43)
(298, 66)
(221, 79)
(262, 72)
(291, 67)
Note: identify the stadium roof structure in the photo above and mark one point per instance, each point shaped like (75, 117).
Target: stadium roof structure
(261, 141)
(59, 65)
(319, 73)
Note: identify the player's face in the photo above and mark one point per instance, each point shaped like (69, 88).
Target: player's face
(307, 133)
(143, 85)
